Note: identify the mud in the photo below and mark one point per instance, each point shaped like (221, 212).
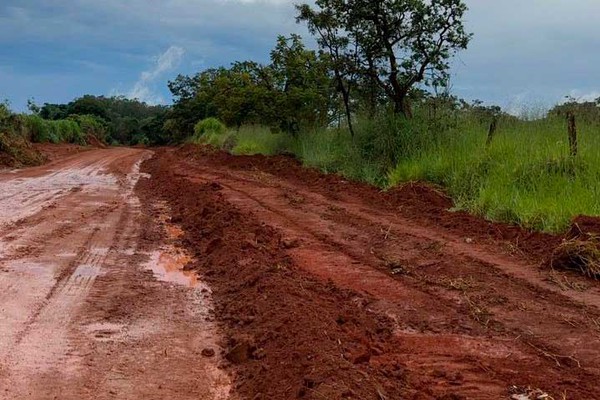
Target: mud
(341, 291)
(81, 316)
(198, 275)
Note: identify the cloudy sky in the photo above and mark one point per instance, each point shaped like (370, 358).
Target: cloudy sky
(531, 52)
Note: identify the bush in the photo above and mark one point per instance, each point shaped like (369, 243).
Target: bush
(209, 126)
(91, 125)
(38, 129)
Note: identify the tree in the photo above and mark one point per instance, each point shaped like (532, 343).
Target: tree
(325, 24)
(399, 43)
(302, 81)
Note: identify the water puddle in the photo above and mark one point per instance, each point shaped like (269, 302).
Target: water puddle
(169, 261)
(167, 265)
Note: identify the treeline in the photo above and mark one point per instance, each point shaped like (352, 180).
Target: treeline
(75, 129)
(372, 58)
(116, 120)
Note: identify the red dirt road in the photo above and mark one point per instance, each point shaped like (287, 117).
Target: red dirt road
(304, 286)
(81, 316)
(377, 296)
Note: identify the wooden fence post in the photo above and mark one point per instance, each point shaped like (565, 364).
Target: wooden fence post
(492, 131)
(572, 126)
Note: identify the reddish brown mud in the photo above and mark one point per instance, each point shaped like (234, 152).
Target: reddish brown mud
(81, 314)
(332, 289)
(207, 276)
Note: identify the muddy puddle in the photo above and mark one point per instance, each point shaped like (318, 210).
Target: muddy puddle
(168, 265)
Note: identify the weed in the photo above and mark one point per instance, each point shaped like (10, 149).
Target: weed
(579, 256)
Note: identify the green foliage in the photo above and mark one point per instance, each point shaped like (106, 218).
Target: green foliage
(525, 177)
(250, 140)
(75, 130)
(210, 131)
(393, 44)
(15, 149)
(91, 125)
(292, 93)
(112, 119)
(209, 126)
(39, 130)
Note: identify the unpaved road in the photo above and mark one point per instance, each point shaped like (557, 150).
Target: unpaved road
(322, 289)
(81, 316)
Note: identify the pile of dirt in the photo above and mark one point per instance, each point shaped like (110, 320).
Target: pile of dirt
(289, 335)
(95, 142)
(419, 202)
(16, 151)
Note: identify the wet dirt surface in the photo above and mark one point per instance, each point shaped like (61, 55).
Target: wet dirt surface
(344, 292)
(82, 315)
(188, 273)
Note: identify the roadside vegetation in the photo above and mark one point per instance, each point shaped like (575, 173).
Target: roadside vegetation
(86, 120)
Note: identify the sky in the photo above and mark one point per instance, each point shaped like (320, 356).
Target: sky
(525, 53)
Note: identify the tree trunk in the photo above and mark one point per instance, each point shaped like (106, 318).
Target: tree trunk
(492, 131)
(346, 97)
(402, 106)
(572, 133)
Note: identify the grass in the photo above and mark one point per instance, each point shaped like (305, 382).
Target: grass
(252, 140)
(579, 256)
(526, 176)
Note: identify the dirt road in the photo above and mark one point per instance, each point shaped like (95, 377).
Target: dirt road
(304, 286)
(406, 299)
(81, 314)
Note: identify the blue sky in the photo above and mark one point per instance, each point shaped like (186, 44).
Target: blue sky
(531, 52)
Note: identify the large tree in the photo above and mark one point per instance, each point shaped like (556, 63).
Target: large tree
(399, 43)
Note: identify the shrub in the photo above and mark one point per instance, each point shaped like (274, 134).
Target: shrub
(38, 129)
(90, 125)
(209, 126)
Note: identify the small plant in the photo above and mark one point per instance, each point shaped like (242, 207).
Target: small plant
(209, 126)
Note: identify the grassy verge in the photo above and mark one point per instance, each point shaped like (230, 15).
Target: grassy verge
(524, 177)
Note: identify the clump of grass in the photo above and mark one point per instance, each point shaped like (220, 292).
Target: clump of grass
(210, 125)
(254, 139)
(579, 256)
(210, 131)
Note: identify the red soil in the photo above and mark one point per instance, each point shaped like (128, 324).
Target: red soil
(331, 289)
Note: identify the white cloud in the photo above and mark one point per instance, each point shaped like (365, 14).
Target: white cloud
(582, 96)
(143, 88)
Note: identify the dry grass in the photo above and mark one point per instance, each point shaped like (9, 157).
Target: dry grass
(579, 256)
(564, 283)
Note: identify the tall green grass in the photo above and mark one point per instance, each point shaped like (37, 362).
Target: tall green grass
(526, 176)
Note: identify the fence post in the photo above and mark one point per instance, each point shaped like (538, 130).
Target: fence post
(572, 126)
(492, 131)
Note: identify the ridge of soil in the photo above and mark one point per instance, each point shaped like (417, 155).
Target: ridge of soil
(289, 334)
(420, 202)
(326, 288)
